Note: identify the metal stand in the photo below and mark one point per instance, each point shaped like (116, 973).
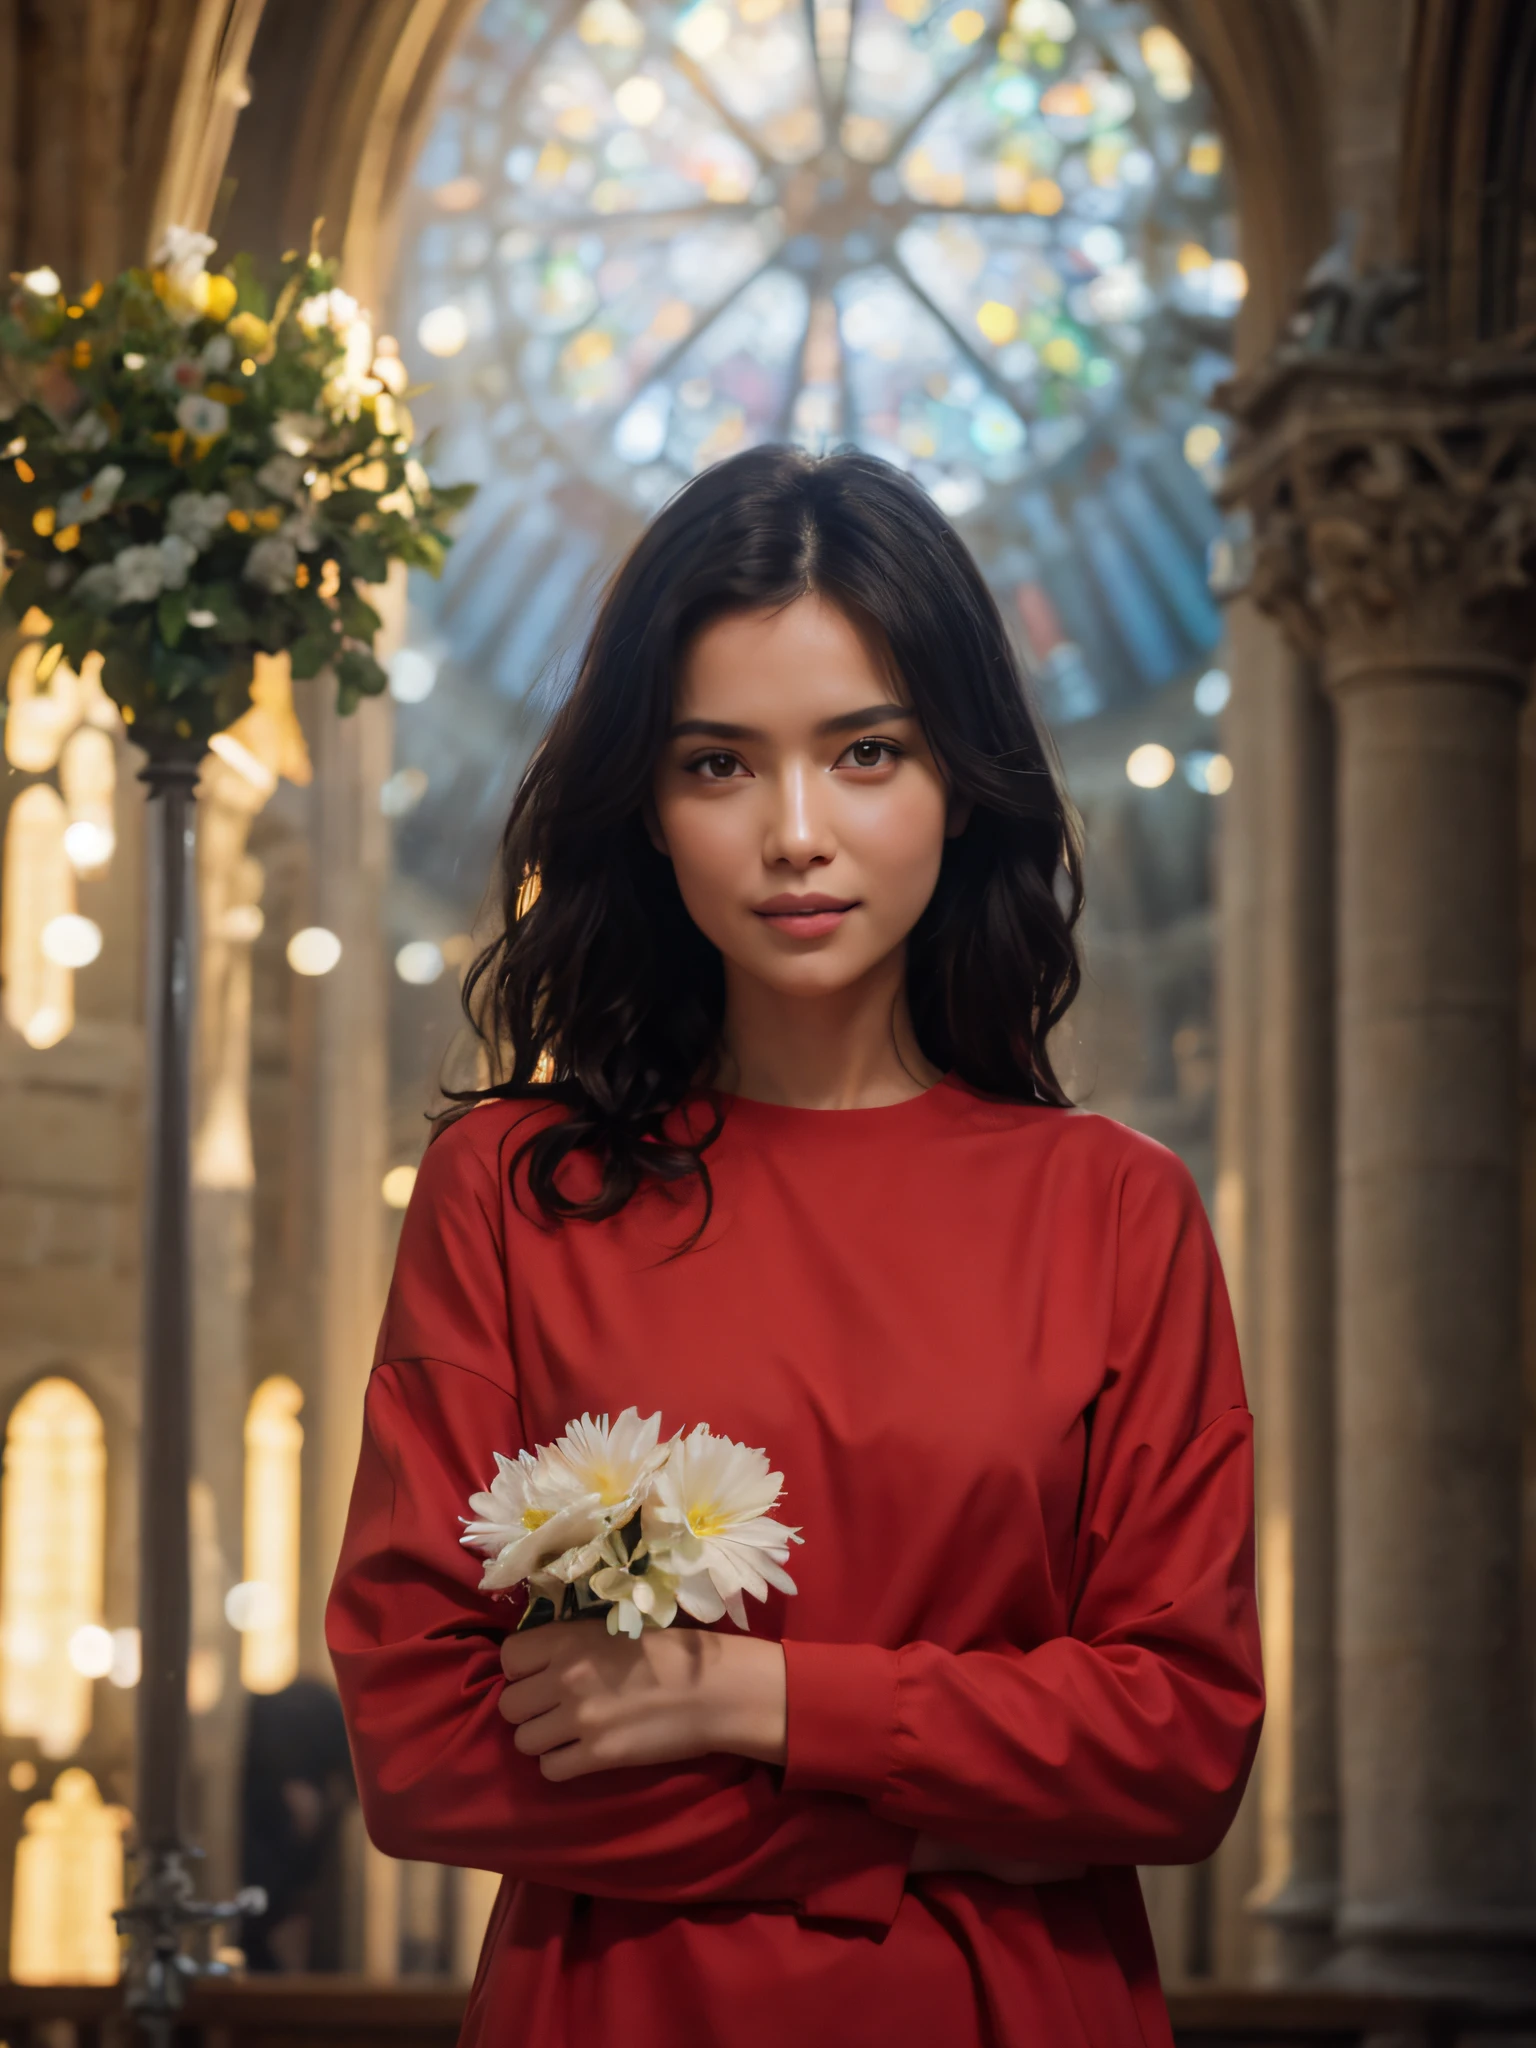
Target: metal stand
(163, 1906)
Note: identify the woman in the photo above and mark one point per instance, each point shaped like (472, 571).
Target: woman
(782, 1151)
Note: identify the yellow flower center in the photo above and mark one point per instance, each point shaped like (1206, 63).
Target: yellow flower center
(535, 1518)
(707, 1519)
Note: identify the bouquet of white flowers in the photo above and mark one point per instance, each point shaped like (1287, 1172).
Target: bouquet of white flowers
(608, 1517)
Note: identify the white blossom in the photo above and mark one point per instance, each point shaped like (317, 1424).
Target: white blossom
(198, 516)
(140, 574)
(90, 501)
(177, 554)
(706, 1522)
(334, 309)
(182, 253)
(297, 432)
(555, 1512)
(98, 586)
(218, 353)
(272, 563)
(303, 530)
(203, 418)
(281, 475)
(88, 433)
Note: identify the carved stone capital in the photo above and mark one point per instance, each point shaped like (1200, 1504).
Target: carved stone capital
(1393, 501)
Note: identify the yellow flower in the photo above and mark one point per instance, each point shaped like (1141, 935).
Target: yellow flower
(215, 296)
(252, 336)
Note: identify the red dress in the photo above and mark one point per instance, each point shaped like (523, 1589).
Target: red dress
(990, 1349)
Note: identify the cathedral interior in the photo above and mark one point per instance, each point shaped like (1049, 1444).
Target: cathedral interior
(1212, 324)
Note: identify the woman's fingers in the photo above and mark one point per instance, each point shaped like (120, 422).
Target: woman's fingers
(526, 1697)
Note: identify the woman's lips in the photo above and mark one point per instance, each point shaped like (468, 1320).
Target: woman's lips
(804, 917)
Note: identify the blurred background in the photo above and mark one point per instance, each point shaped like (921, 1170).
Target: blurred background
(1020, 250)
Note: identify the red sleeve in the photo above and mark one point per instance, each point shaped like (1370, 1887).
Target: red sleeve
(1129, 1739)
(416, 1645)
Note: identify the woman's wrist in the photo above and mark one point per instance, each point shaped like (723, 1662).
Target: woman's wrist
(746, 1698)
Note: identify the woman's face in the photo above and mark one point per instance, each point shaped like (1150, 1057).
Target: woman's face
(797, 799)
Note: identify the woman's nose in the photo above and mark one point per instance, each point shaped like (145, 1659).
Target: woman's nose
(800, 828)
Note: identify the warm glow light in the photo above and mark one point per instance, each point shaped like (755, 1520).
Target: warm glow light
(89, 846)
(69, 1882)
(396, 1186)
(443, 331)
(999, 323)
(235, 754)
(71, 940)
(1209, 773)
(274, 1441)
(52, 1531)
(37, 886)
(22, 1775)
(1202, 444)
(1149, 766)
(127, 1666)
(968, 25)
(639, 100)
(1168, 61)
(419, 962)
(313, 950)
(1205, 156)
(43, 281)
(90, 1650)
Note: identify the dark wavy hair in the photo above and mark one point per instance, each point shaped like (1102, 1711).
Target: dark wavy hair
(601, 994)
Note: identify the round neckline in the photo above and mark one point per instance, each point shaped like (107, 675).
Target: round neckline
(750, 1109)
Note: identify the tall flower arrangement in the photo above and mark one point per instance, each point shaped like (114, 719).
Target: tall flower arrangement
(192, 472)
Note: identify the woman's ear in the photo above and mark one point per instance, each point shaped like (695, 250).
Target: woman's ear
(957, 816)
(652, 823)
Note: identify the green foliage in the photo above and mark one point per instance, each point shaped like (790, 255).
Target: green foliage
(191, 473)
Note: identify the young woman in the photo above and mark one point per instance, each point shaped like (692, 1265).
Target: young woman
(782, 1151)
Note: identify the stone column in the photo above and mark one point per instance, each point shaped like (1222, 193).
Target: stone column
(1394, 499)
(1277, 935)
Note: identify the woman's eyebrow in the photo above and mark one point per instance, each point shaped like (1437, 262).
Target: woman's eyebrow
(846, 721)
(872, 714)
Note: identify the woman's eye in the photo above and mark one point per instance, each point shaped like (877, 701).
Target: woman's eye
(871, 753)
(714, 767)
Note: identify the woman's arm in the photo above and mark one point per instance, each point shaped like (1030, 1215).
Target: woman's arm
(417, 1647)
(1130, 1738)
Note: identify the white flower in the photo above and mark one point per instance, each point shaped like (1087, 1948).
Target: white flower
(297, 432)
(336, 310)
(88, 433)
(390, 371)
(301, 529)
(198, 516)
(706, 1522)
(90, 501)
(183, 254)
(218, 353)
(177, 554)
(281, 475)
(554, 1512)
(203, 418)
(98, 586)
(640, 1598)
(272, 563)
(140, 574)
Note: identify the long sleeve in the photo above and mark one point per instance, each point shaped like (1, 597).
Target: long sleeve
(415, 1645)
(1129, 1738)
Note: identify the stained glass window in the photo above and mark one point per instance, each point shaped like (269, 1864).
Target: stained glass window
(989, 243)
(992, 243)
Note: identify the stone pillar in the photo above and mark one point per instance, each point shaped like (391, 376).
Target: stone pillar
(1394, 499)
(1281, 748)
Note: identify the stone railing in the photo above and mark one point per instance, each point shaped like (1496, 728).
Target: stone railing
(339, 2012)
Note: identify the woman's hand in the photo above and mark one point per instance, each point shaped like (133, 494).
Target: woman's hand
(582, 1700)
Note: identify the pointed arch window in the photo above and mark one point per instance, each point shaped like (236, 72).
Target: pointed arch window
(52, 1561)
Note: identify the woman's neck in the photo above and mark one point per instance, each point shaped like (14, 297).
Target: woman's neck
(853, 1048)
